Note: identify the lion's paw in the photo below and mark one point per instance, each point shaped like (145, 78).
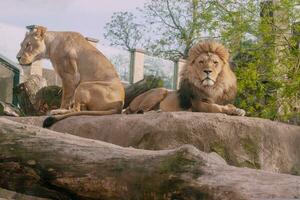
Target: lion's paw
(240, 112)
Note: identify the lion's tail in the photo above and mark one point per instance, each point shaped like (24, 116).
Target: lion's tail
(49, 121)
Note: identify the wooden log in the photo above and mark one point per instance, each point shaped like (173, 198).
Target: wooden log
(10, 195)
(48, 98)
(55, 165)
(59, 166)
(132, 91)
(26, 93)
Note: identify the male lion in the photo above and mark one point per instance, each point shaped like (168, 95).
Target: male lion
(207, 84)
(91, 85)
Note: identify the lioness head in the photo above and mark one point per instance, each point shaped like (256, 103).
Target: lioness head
(208, 60)
(33, 46)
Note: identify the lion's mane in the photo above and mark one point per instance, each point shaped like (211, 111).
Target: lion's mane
(224, 89)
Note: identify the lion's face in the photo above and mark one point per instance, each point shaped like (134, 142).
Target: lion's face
(207, 75)
(208, 67)
(33, 46)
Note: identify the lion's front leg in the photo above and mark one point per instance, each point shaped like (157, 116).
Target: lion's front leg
(67, 97)
(66, 101)
(69, 84)
(68, 89)
(200, 106)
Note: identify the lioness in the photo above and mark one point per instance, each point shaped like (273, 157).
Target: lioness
(207, 84)
(90, 82)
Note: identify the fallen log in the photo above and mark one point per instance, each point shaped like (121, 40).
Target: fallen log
(55, 165)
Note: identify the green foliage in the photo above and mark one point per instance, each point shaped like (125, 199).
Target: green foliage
(264, 51)
(257, 88)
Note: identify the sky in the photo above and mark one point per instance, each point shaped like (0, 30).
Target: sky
(85, 16)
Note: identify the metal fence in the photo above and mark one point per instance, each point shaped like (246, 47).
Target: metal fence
(6, 84)
(160, 67)
(120, 59)
(133, 66)
(9, 78)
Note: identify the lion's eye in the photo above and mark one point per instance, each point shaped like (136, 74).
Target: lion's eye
(201, 61)
(216, 62)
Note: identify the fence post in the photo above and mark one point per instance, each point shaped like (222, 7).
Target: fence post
(137, 59)
(178, 66)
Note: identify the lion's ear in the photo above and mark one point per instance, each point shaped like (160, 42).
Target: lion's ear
(39, 32)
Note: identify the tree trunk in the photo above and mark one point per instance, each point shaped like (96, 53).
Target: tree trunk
(140, 87)
(48, 98)
(55, 165)
(26, 93)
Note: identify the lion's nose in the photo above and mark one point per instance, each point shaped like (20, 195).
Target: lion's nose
(207, 71)
(18, 57)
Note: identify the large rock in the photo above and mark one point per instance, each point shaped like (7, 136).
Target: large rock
(54, 165)
(241, 141)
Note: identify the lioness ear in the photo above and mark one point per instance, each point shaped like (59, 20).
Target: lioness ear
(39, 32)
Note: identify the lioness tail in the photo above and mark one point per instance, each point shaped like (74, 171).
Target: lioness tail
(49, 121)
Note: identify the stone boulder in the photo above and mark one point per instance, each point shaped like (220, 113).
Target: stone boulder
(241, 141)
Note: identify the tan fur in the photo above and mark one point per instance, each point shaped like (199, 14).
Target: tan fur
(90, 82)
(207, 84)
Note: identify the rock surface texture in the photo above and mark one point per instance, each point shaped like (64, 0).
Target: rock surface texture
(55, 165)
(241, 141)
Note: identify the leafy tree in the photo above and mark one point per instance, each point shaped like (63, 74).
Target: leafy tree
(259, 35)
(124, 31)
(172, 27)
(176, 25)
